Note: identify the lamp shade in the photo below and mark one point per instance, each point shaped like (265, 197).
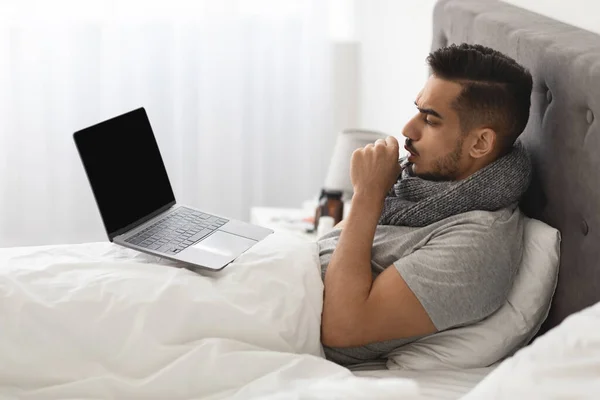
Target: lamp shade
(338, 174)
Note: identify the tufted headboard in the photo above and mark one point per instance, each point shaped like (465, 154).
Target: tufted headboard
(563, 133)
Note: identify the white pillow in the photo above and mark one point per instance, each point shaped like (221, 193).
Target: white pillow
(504, 332)
(564, 363)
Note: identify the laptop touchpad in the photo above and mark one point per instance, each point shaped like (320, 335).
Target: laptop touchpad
(225, 244)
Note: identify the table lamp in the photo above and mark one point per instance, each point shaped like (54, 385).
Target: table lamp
(338, 174)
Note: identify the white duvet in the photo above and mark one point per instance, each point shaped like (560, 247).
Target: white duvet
(98, 322)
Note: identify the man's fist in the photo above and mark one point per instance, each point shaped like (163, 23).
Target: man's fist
(374, 168)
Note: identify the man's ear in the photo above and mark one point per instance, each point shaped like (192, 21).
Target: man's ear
(484, 142)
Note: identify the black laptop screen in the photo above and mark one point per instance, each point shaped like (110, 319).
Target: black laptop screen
(125, 169)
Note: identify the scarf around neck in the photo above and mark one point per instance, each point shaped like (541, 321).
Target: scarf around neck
(417, 202)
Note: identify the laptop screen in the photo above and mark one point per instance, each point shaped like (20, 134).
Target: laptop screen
(125, 169)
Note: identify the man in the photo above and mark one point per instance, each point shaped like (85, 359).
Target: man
(438, 247)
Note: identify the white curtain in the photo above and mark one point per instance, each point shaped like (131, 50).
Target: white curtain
(238, 94)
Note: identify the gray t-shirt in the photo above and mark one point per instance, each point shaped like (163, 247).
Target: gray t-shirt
(460, 268)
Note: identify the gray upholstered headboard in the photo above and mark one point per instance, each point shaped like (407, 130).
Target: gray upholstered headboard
(563, 133)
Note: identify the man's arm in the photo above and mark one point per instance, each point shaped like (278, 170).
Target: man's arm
(356, 309)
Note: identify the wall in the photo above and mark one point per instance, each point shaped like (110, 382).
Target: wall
(394, 37)
(581, 13)
(344, 63)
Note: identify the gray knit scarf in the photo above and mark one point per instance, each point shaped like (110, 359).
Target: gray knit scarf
(417, 202)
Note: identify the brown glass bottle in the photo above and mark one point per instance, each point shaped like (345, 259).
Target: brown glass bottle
(330, 204)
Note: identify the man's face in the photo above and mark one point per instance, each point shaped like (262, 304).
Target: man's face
(433, 136)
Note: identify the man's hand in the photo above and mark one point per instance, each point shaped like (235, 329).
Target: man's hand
(374, 168)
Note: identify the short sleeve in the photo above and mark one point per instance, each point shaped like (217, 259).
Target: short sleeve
(460, 276)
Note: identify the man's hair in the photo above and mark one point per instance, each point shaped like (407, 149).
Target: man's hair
(496, 90)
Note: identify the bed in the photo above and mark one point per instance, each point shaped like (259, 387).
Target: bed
(251, 350)
(563, 137)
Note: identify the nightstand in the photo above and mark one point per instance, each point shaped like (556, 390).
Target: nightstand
(292, 220)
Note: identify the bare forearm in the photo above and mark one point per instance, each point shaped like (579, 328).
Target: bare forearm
(348, 278)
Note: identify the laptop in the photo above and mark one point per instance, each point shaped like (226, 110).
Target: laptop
(136, 201)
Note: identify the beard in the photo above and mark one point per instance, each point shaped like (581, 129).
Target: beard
(444, 168)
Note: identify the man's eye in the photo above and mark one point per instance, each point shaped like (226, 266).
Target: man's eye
(428, 122)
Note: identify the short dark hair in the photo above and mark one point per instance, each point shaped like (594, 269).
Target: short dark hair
(496, 89)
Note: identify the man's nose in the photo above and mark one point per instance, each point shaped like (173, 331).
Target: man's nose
(411, 129)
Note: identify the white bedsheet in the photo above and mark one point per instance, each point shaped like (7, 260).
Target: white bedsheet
(100, 321)
(436, 384)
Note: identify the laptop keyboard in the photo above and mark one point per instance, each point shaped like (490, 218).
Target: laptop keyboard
(176, 231)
